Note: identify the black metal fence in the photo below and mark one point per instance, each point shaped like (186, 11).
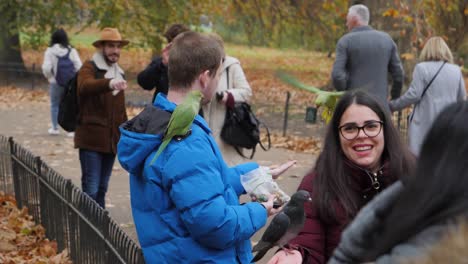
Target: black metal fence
(69, 216)
(13, 73)
(400, 120)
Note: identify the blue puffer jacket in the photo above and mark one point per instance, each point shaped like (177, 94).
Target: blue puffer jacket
(186, 204)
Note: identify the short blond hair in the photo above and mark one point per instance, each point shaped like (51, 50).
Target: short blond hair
(436, 49)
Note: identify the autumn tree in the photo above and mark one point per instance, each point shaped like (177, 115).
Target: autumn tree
(312, 24)
(449, 19)
(142, 20)
(9, 33)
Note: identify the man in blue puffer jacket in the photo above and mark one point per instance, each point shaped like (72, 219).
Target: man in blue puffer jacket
(185, 205)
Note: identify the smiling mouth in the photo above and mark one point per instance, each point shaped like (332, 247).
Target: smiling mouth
(362, 148)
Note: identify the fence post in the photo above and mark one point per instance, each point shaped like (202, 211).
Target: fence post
(14, 173)
(72, 223)
(286, 108)
(7, 74)
(105, 233)
(32, 76)
(37, 195)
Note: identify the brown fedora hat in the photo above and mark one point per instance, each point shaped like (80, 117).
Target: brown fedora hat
(110, 34)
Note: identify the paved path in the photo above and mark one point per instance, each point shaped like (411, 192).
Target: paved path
(28, 125)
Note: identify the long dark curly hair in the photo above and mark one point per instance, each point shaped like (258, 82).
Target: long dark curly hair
(333, 181)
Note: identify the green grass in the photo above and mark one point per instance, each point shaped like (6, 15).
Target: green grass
(79, 40)
(83, 39)
(271, 59)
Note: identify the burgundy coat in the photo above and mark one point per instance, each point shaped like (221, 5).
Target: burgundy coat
(318, 238)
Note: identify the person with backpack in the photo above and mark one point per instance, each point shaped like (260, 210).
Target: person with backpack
(101, 103)
(61, 62)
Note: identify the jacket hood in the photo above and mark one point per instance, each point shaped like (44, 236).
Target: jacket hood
(59, 50)
(140, 136)
(228, 61)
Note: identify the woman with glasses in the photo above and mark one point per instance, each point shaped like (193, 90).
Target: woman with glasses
(362, 155)
(409, 221)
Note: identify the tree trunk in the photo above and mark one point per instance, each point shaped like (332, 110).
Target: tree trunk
(10, 47)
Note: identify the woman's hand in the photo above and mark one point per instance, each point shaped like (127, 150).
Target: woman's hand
(276, 171)
(289, 257)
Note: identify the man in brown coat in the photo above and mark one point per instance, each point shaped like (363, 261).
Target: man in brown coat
(101, 102)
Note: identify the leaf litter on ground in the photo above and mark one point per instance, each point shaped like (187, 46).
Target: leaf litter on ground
(22, 240)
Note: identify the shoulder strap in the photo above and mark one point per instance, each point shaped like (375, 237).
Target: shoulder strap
(433, 78)
(425, 90)
(227, 78)
(242, 154)
(66, 55)
(268, 135)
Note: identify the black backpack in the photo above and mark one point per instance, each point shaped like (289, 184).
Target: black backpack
(68, 108)
(65, 69)
(241, 129)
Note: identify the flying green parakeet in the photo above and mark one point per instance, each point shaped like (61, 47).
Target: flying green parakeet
(324, 98)
(181, 119)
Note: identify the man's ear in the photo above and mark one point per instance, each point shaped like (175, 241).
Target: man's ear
(204, 79)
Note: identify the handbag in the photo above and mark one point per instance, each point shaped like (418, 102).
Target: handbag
(241, 128)
(410, 118)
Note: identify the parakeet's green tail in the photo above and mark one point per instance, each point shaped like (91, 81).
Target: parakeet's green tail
(160, 149)
(294, 82)
(325, 99)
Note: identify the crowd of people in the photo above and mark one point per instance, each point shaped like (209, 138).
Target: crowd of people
(374, 197)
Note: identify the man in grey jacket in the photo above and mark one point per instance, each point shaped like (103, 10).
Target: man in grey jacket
(365, 56)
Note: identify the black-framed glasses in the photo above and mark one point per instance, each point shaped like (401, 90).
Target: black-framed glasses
(351, 131)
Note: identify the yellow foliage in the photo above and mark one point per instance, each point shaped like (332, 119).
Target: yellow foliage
(407, 56)
(391, 13)
(409, 19)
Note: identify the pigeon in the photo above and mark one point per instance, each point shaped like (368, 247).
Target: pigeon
(284, 226)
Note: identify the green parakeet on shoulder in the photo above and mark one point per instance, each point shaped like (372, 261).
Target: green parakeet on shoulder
(181, 119)
(325, 99)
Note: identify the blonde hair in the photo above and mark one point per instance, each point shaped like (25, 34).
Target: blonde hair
(436, 49)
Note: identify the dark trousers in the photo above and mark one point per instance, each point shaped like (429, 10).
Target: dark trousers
(96, 169)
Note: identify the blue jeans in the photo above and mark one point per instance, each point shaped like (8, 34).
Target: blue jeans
(56, 93)
(96, 169)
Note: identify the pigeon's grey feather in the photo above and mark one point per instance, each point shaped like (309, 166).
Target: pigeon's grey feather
(277, 228)
(284, 226)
